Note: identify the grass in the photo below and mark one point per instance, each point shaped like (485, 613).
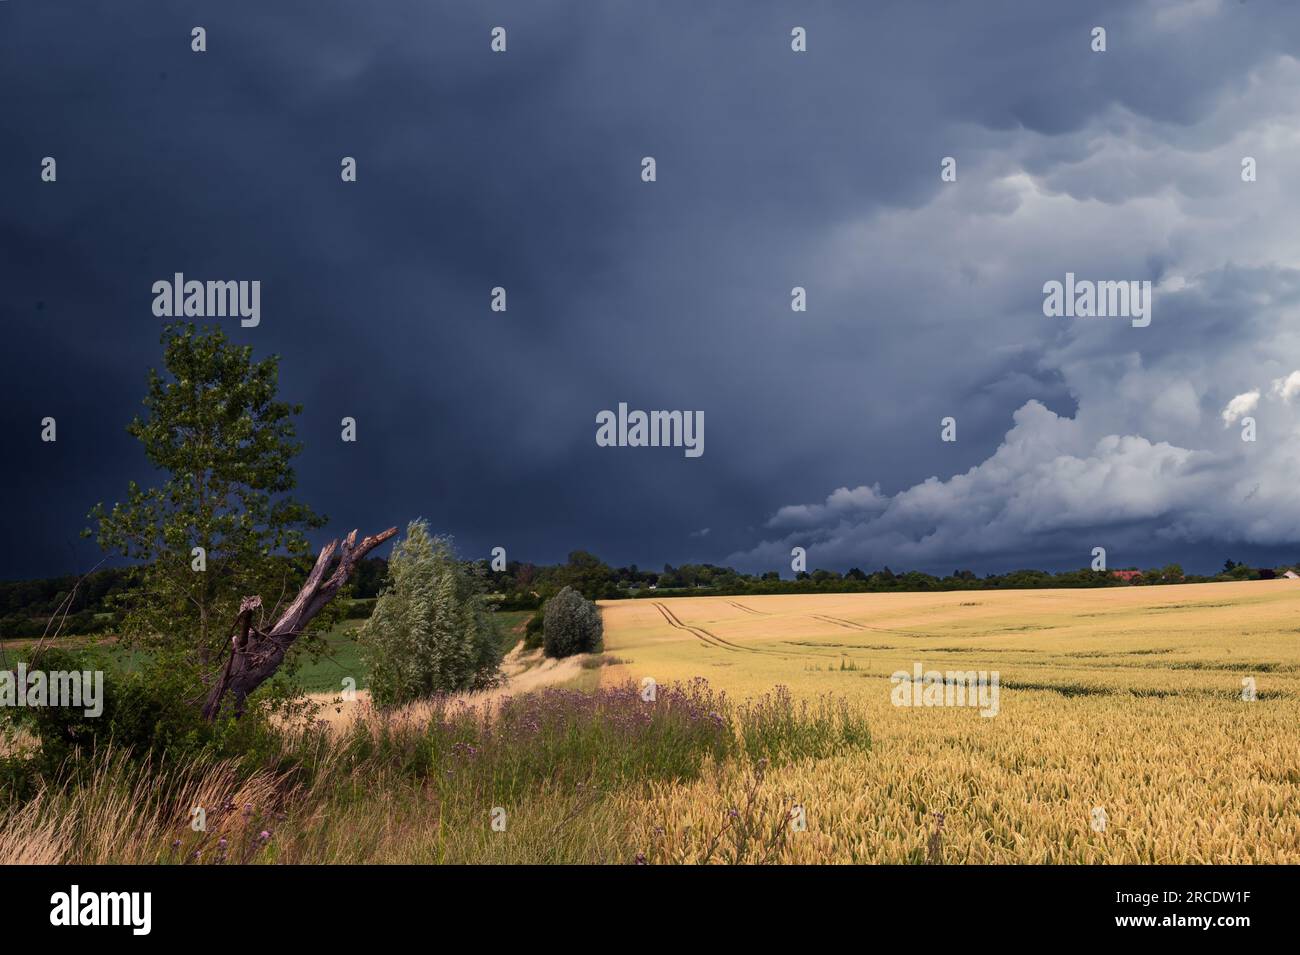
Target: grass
(512, 623)
(342, 659)
(559, 768)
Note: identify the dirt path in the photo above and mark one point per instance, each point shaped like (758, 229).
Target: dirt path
(523, 672)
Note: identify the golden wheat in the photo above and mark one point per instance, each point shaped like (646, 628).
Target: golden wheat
(1127, 699)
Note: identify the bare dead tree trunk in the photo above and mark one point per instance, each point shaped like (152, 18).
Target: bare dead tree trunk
(254, 655)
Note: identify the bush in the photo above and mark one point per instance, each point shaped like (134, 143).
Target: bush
(431, 630)
(359, 609)
(572, 625)
(520, 601)
(147, 716)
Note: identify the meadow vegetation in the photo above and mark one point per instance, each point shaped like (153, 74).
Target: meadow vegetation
(556, 770)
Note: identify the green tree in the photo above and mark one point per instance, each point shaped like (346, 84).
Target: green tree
(585, 573)
(432, 629)
(571, 625)
(222, 443)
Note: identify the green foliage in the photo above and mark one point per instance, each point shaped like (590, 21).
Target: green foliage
(357, 609)
(84, 623)
(431, 630)
(214, 429)
(770, 728)
(145, 715)
(571, 625)
(585, 573)
(45, 596)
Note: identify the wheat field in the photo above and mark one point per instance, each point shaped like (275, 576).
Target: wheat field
(1122, 734)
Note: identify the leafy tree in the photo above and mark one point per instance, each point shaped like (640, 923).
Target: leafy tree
(222, 444)
(572, 625)
(432, 630)
(585, 573)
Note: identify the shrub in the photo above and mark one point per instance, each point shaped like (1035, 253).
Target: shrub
(146, 716)
(359, 609)
(572, 625)
(431, 630)
(520, 601)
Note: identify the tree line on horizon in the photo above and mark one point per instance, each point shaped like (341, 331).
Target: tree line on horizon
(27, 605)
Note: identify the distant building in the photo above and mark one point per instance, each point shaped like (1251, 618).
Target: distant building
(1291, 575)
(1128, 576)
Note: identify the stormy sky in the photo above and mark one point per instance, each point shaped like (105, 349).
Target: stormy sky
(775, 169)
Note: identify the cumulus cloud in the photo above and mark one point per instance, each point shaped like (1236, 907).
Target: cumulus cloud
(840, 504)
(1288, 387)
(1118, 437)
(1057, 485)
(1239, 406)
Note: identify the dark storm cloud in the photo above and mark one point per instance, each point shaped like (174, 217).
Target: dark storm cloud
(522, 170)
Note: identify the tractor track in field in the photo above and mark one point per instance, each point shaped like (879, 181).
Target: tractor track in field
(740, 606)
(846, 624)
(850, 625)
(713, 640)
(702, 635)
(710, 638)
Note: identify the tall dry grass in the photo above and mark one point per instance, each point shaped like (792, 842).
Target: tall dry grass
(555, 767)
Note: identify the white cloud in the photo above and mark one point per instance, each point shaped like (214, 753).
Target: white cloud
(1288, 387)
(840, 504)
(1240, 406)
(1054, 484)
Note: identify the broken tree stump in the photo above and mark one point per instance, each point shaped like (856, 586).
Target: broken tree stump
(254, 655)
